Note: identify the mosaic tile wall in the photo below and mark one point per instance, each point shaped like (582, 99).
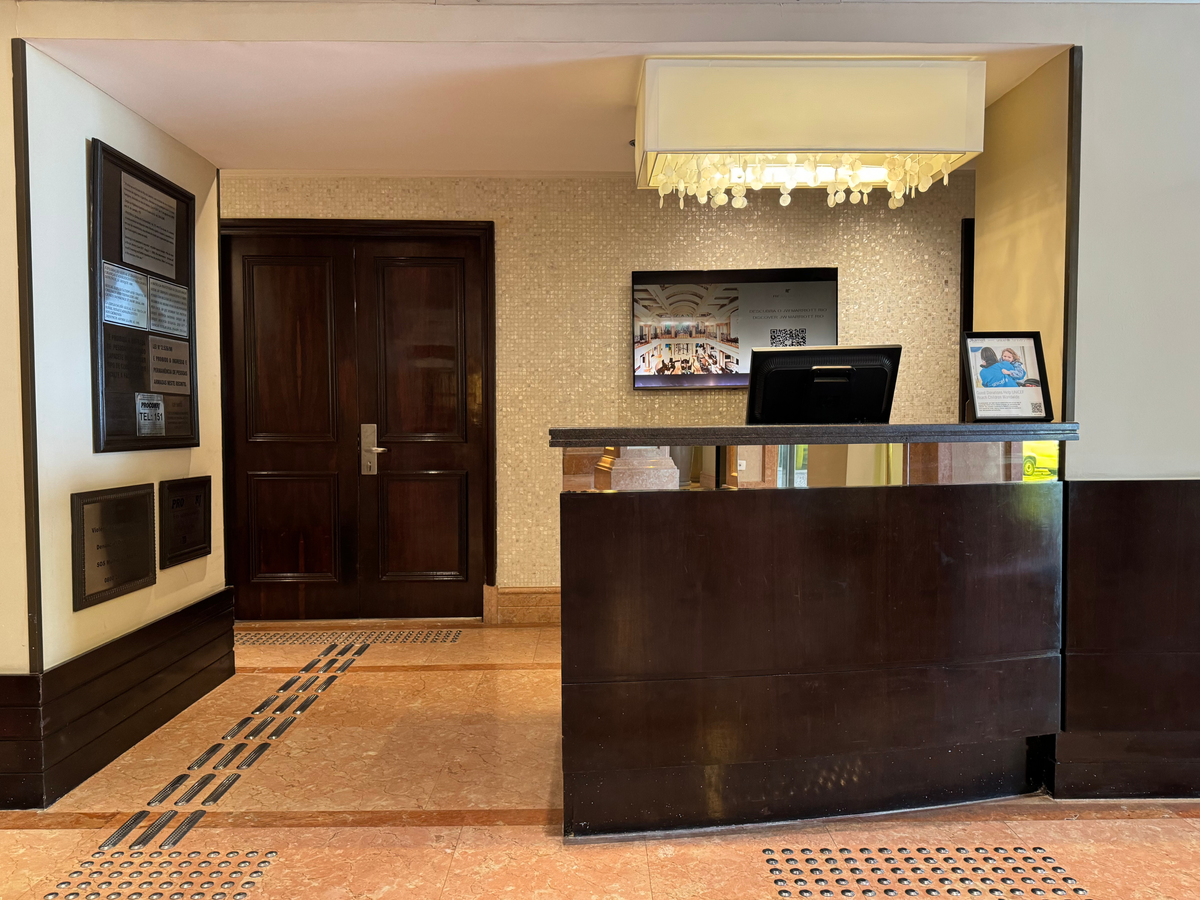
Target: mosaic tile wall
(564, 251)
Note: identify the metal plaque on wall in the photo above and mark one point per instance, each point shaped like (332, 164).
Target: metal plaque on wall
(143, 295)
(112, 543)
(185, 520)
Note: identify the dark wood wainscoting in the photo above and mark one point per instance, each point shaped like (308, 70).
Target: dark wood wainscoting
(1131, 723)
(742, 656)
(60, 728)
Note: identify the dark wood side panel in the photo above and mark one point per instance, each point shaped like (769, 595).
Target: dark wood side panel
(1134, 569)
(1132, 662)
(1128, 764)
(89, 711)
(668, 585)
(20, 690)
(723, 721)
(795, 788)
(21, 791)
(1132, 692)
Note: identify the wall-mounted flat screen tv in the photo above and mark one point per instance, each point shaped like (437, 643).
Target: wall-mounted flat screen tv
(696, 329)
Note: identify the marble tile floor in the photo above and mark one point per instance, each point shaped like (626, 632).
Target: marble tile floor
(432, 771)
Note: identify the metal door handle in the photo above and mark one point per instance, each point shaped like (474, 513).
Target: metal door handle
(368, 452)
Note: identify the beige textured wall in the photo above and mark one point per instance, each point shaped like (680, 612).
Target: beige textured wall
(1021, 215)
(564, 253)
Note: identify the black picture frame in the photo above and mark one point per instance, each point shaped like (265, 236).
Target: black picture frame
(112, 531)
(119, 372)
(184, 520)
(1001, 337)
(741, 381)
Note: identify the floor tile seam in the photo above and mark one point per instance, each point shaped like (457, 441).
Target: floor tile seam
(349, 625)
(450, 863)
(417, 667)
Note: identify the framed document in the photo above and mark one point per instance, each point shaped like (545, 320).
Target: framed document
(184, 520)
(112, 543)
(143, 307)
(1007, 375)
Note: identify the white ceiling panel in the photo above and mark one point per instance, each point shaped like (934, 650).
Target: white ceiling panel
(421, 108)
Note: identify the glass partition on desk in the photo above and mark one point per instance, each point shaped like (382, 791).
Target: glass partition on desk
(799, 466)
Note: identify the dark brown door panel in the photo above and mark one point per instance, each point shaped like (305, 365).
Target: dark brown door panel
(329, 326)
(291, 383)
(422, 308)
(409, 549)
(293, 526)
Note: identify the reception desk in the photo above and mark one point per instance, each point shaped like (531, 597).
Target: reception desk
(736, 655)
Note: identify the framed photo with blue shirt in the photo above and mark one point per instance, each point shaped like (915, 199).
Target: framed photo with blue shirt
(1007, 375)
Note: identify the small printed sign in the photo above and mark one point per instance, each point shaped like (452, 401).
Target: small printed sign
(148, 222)
(151, 416)
(168, 307)
(170, 366)
(125, 301)
(1007, 376)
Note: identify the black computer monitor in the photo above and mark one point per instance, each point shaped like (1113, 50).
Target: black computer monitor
(822, 385)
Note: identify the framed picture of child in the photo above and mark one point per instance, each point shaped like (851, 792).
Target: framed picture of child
(1006, 372)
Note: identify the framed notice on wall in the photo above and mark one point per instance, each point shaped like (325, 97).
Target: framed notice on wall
(184, 520)
(112, 543)
(143, 307)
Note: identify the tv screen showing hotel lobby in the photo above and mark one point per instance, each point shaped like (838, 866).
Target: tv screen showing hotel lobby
(696, 329)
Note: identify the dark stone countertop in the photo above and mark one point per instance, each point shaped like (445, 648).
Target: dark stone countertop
(734, 435)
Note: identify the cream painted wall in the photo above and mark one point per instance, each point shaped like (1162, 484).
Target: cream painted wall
(1021, 215)
(65, 112)
(564, 254)
(14, 649)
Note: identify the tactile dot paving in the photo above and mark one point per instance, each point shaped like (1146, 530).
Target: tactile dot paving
(190, 882)
(312, 638)
(957, 871)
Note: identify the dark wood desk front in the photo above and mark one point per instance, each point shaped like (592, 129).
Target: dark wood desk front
(748, 656)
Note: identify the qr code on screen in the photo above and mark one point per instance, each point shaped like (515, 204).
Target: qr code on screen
(1036, 409)
(789, 337)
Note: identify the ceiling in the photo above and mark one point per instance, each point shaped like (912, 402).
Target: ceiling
(423, 108)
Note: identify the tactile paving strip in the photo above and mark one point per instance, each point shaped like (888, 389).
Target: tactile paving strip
(309, 638)
(193, 789)
(921, 872)
(159, 875)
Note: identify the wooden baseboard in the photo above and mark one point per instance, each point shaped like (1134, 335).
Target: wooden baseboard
(521, 605)
(60, 728)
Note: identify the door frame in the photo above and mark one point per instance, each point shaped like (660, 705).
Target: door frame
(484, 232)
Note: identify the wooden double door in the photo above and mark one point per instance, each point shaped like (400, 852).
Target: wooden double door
(359, 423)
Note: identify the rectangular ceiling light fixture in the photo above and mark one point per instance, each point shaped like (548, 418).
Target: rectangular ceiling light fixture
(721, 129)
